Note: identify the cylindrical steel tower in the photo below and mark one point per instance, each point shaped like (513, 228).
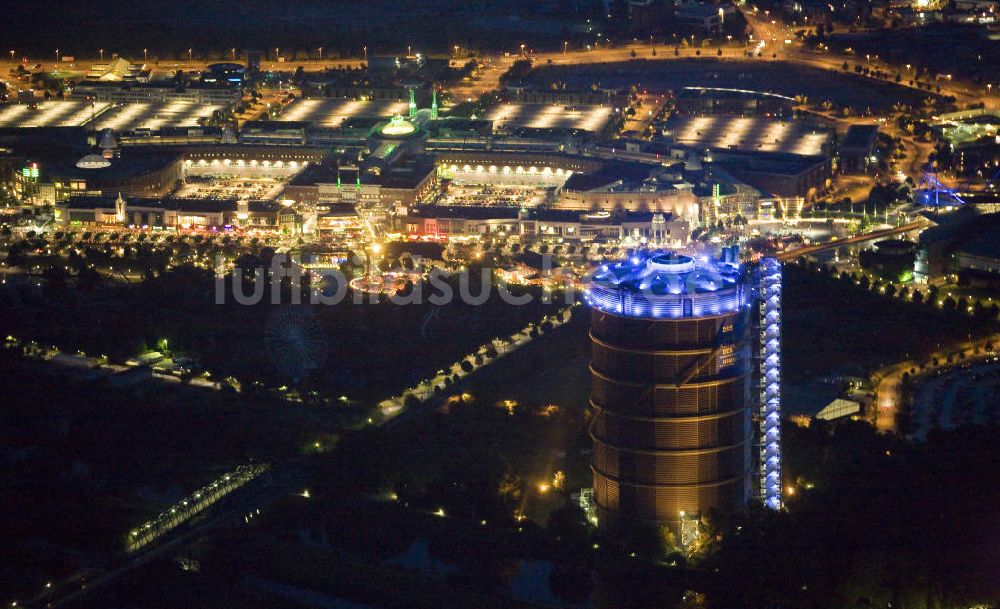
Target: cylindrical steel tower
(672, 433)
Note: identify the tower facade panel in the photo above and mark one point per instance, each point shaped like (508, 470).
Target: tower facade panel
(671, 433)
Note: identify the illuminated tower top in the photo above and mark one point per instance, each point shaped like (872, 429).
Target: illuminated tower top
(666, 284)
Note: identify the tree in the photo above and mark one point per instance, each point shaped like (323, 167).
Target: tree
(15, 255)
(667, 539)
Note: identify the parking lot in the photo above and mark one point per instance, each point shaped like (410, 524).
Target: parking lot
(332, 112)
(746, 133)
(549, 116)
(124, 118)
(51, 113)
(965, 395)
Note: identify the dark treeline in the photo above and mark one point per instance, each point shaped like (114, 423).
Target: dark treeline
(296, 27)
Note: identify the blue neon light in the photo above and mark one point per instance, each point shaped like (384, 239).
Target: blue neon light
(770, 398)
(665, 284)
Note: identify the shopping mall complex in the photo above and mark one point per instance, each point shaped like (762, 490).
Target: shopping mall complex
(534, 166)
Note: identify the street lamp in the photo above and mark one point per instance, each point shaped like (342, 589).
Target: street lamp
(565, 46)
(233, 51)
(366, 54)
(321, 53)
(522, 49)
(101, 52)
(456, 50)
(12, 55)
(145, 55)
(190, 54)
(57, 54)
(276, 49)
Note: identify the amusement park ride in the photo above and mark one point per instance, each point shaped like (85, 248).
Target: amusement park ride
(932, 193)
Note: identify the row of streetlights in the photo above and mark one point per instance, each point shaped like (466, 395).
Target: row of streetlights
(100, 52)
(145, 55)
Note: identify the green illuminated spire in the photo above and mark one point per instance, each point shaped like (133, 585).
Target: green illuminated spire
(413, 102)
(434, 102)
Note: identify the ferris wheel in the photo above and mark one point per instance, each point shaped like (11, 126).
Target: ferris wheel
(296, 341)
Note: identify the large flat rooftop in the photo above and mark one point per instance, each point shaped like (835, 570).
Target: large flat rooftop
(331, 113)
(747, 134)
(154, 116)
(50, 113)
(511, 116)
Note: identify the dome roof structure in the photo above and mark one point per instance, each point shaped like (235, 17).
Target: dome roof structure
(398, 126)
(93, 161)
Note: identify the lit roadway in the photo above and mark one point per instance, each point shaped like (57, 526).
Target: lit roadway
(280, 481)
(890, 380)
(773, 35)
(227, 512)
(807, 250)
(83, 64)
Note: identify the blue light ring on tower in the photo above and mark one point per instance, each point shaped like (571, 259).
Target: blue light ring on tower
(637, 304)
